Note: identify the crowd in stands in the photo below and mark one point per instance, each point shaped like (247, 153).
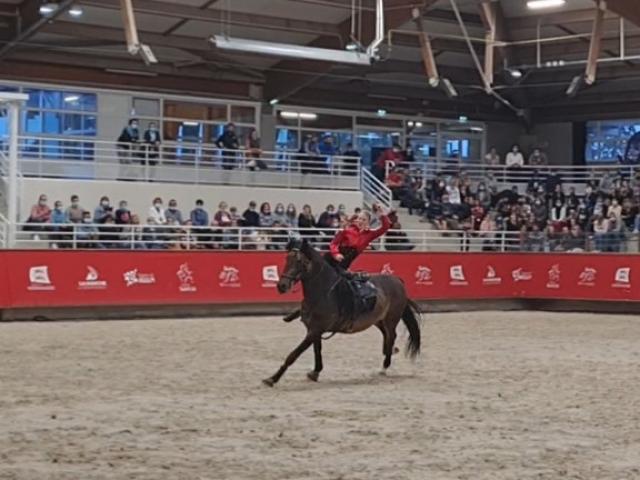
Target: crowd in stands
(135, 147)
(544, 216)
(106, 226)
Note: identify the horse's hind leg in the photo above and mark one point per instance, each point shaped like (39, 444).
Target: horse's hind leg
(291, 358)
(390, 340)
(317, 351)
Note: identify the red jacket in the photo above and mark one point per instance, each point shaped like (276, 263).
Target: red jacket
(389, 156)
(353, 237)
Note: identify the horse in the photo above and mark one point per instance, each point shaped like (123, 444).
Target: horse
(324, 296)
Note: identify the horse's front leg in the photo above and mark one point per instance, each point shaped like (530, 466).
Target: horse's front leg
(317, 351)
(291, 358)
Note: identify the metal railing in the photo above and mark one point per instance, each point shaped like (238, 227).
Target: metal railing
(4, 231)
(501, 174)
(182, 162)
(374, 191)
(185, 237)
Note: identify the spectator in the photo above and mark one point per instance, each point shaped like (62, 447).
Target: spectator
(123, 214)
(86, 232)
(57, 214)
(557, 195)
(157, 212)
(327, 146)
(102, 211)
(492, 158)
(600, 232)
(488, 229)
(228, 141)
(396, 240)
(351, 160)
(393, 156)
(75, 213)
(307, 222)
(199, 216)
(252, 145)
(266, 219)
(127, 143)
(279, 215)
(152, 140)
(108, 234)
(223, 220)
(292, 216)
(615, 210)
(58, 219)
(40, 212)
(514, 158)
(311, 160)
(572, 199)
(534, 239)
(251, 218)
(327, 219)
(173, 213)
(135, 233)
(538, 157)
(558, 215)
(453, 191)
(396, 182)
(575, 240)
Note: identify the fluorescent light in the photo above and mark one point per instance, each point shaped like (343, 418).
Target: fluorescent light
(289, 114)
(463, 119)
(71, 98)
(48, 8)
(190, 124)
(273, 101)
(540, 4)
(514, 72)
(76, 12)
(381, 112)
(308, 116)
(287, 50)
(351, 46)
(410, 123)
(418, 124)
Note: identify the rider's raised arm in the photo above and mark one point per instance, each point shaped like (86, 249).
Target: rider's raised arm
(334, 247)
(384, 228)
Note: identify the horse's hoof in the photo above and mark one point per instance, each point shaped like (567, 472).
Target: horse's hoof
(268, 382)
(313, 376)
(383, 372)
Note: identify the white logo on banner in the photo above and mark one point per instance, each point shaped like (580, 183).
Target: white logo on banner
(623, 278)
(521, 275)
(92, 280)
(423, 276)
(456, 274)
(386, 269)
(133, 277)
(229, 277)
(554, 276)
(587, 277)
(491, 278)
(270, 276)
(185, 276)
(39, 278)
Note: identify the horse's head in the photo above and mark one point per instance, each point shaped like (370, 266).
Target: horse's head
(296, 265)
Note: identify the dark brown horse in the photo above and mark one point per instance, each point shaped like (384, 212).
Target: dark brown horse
(322, 312)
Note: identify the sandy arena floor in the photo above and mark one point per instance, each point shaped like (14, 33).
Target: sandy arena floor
(494, 396)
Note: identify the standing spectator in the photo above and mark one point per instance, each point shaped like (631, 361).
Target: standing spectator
(152, 140)
(173, 214)
(311, 159)
(252, 145)
(292, 216)
(514, 158)
(123, 214)
(538, 157)
(126, 146)
(157, 212)
(228, 141)
(75, 213)
(350, 163)
(492, 158)
(102, 211)
(251, 218)
(392, 155)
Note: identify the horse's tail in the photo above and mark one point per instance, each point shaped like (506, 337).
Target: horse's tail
(411, 317)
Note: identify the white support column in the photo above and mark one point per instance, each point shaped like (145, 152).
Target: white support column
(13, 101)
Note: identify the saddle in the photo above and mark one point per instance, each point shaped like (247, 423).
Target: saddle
(364, 292)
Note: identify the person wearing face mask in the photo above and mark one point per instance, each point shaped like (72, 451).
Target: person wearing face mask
(514, 158)
(75, 212)
(102, 211)
(279, 216)
(123, 214)
(86, 232)
(126, 146)
(157, 212)
(173, 214)
(40, 212)
(292, 216)
(228, 141)
(152, 140)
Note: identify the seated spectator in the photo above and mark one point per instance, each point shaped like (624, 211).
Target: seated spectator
(534, 240)
(575, 240)
(40, 213)
(251, 218)
(252, 145)
(488, 233)
(396, 240)
(492, 158)
(453, 191)
(123, 214)
(134, 233)
(513, 227)
(327, 219)
(558, 215)
(200, 223)
(109, 234)
(600, 232)
(514, 158)
(222, 220)
(292, 216)
(572, 199)
(538, 157)
(279, 215)
(172, 213)
(75, 213)
(157, 212)
(58, 215)
(350, 165)
(154, 235)
(58, 220)
(615, 210)
(307, 223)
(102, 211)
(86, 233)
(396, 182)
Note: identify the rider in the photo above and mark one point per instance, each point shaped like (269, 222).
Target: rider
(352, 241)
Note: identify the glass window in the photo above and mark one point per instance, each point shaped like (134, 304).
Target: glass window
(286, 139)
(242, 114)
(607, 141)
(80, 102)
(371, 143)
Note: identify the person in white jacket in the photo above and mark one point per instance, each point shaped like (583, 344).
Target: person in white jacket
(514, 158)
(157, 212)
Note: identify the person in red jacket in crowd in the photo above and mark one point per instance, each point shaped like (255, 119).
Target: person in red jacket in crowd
(351, 241)
(393, 154)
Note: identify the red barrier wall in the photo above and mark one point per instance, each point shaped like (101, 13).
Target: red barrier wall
(86, 278)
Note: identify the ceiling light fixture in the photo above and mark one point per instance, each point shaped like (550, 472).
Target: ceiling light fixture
(541, 4)
(71, 98)
(514, 72)
(47, 8)
(273, 101)
(76, 12)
